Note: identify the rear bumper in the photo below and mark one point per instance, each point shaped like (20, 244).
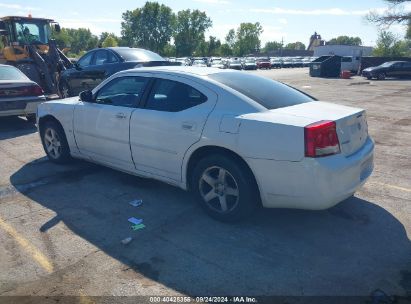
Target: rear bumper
(20, 106)
(313, 183)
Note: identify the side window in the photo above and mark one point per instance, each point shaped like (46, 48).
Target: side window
(101, 57)
(407, 65)
(111, 57)
(85, 60)
(173, 96)
(123, 92)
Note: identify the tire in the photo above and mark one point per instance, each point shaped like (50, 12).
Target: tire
(55, 143)
(381, 76)
(65, 90)
(225, 188)
(31, 118)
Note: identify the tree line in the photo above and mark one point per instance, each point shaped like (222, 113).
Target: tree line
(156, 27)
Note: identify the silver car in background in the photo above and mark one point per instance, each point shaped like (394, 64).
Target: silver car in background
(19, 96)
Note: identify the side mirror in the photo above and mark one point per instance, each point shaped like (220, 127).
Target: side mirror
(86, 96)
(57, 27)
(77, 66)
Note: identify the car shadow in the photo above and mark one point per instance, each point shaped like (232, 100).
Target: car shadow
(351, 249)
(15, 126)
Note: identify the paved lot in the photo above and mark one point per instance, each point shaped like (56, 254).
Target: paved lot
(61, 226)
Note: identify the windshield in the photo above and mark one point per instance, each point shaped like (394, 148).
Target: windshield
(268, 93)
(11, 73)
(130, 54)
(387, 64)
(198, 62)
(32, 32)
(250, 61)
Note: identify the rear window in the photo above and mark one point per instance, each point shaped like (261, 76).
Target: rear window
(130, 54)
(11, 73)
(268, 93)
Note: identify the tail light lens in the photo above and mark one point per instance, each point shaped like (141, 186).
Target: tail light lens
(31, 90)
(321, 139)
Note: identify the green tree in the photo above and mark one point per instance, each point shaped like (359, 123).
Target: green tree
(189, 31)
(81, 40)
(169, 50)
(271, 46)
(248, 38)
(110, 41)
(231, 39)
(63, 38)
(408, 34)
(345, 40)
(104, 35)
(149, 27)
(396, 13)
(225, 50)
(295, 46)
(388, 45)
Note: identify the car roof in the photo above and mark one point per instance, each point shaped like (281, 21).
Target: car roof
(180, 70)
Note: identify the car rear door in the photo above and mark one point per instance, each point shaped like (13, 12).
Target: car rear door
(171, 121)
(101, 128)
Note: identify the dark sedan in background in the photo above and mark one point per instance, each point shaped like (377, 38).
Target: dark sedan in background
(19, 96)
(98, 64)
(398, 69)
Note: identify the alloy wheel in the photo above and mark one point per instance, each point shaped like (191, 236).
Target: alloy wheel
(52, 142)
(219, 189)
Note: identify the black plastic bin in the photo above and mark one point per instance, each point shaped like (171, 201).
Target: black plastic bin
(326, 66)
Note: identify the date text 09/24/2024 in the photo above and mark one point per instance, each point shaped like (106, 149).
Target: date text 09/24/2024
(185, 299)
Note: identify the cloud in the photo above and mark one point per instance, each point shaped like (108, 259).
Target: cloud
(314, 12)
(96, 26)
(213, 1)
(282, 21)
(18, 7)
(272, 33)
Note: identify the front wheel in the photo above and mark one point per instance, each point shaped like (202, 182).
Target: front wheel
(225, 188)
(65, 91)
(54, 142)
(381, 76)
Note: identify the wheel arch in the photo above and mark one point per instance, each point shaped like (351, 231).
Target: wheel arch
(204, 151)
(44, 119)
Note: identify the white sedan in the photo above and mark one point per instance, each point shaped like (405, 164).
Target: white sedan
(237, 140)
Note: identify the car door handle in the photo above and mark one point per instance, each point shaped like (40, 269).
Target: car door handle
(188, 126)
(120, 115)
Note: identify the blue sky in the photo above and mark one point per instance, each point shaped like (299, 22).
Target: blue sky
(292, 20)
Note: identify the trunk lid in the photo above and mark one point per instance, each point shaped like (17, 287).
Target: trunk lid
(352, 128)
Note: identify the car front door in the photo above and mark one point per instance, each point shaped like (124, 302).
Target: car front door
(80, 79)
(101, 127)
(171, 121)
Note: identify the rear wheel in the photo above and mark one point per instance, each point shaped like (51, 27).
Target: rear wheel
(54, 142)
(225, 189)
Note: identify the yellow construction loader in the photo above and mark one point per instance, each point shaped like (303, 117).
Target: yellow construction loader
(25, 42)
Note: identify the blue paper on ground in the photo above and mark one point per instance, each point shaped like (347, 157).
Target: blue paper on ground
(135, 221)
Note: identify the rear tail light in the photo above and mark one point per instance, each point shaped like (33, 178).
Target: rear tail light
(321, 139)
(31, 90)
